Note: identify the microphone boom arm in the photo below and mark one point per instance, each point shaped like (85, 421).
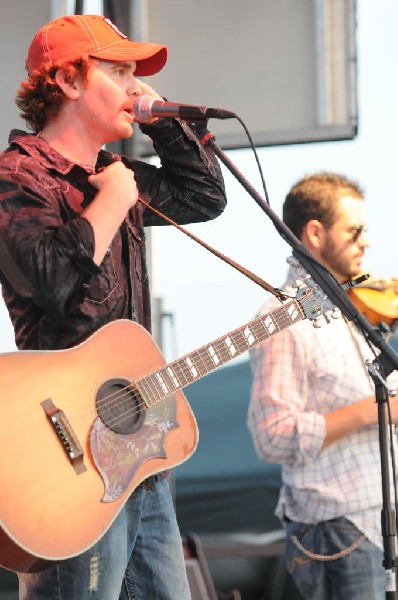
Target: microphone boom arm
(329, 284)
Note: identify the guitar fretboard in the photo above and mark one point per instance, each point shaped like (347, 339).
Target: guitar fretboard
(174, 376)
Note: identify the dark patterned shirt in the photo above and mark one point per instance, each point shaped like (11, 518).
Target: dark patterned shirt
(56, 295)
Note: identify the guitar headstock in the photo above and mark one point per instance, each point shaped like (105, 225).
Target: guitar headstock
(314, 303)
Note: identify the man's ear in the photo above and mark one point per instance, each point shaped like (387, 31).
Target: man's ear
(312, 235)
(68, 84)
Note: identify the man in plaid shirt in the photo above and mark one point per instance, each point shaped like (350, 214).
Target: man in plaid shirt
(313, 410)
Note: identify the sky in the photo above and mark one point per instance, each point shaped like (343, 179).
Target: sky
(208, 298)
(203, 298)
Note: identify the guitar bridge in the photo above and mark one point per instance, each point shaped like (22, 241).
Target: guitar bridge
(64, 432)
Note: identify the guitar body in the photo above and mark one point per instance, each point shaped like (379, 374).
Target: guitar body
(82, 428)
(52, 505)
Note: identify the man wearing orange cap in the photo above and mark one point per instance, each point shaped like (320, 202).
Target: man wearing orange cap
(72, 257)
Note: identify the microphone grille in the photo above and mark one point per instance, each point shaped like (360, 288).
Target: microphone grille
(142, 107)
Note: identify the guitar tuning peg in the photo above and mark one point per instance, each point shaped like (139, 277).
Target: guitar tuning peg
(336, 313)
(317, 323)
(298, 283)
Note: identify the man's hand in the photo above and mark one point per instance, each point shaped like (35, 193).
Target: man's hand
(118, 183)
(117, 193)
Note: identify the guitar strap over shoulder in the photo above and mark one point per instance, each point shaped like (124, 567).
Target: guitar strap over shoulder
(266, 286)
(140, 284)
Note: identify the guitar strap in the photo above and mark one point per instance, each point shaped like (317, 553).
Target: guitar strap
(266, 286)
(141, 288)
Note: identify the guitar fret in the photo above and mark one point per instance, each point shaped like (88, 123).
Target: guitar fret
(293, 313)
(157, 386)
(191, 367)
(147, 391)
(213, 354)
(182, 372)
(231, 346)
(204, 360)
(170, 381)
(180, 366)
(160, 385)
(173, 377)
(249, 336)
(269, 325)
(238, 342)
(162, 382)
(222, 350)
(201, 361)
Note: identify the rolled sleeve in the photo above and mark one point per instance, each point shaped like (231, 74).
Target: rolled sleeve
(189, 186)
(283, 429)
(41, 257)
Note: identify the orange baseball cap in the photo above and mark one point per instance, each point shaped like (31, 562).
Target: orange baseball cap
(69, 38)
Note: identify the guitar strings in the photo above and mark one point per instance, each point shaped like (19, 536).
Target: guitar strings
(154, 390)
(184, 369)
(148, 390)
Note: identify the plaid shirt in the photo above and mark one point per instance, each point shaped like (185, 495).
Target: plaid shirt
(299, 375)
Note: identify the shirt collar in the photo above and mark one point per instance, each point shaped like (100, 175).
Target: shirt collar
(40, 150)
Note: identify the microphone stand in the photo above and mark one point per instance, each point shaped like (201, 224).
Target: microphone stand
(386, 362)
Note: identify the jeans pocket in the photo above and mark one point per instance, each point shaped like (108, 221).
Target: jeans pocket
(304, 570)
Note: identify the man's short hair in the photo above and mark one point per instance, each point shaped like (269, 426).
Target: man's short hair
(315, 196)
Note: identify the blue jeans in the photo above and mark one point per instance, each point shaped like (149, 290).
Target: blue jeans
(139, 558)
(358, 576)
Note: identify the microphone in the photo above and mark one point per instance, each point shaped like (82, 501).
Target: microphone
(146, 108)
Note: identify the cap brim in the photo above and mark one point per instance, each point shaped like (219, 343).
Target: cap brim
(150, 58)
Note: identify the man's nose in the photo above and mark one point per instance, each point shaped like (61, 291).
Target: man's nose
(134, 88)
(363, 239)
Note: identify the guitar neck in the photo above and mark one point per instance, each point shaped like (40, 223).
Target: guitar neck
(174, 376)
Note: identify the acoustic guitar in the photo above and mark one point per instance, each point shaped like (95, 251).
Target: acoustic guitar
(82, 428)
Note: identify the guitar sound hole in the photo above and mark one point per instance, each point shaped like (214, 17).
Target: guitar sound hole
(120, 406)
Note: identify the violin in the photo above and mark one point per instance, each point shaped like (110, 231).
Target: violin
(377, 300)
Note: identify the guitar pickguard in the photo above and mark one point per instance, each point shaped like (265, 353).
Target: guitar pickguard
(118, 456)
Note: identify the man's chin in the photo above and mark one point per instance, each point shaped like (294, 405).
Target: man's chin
(354, 274)
(122, 134)
(357, 270)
